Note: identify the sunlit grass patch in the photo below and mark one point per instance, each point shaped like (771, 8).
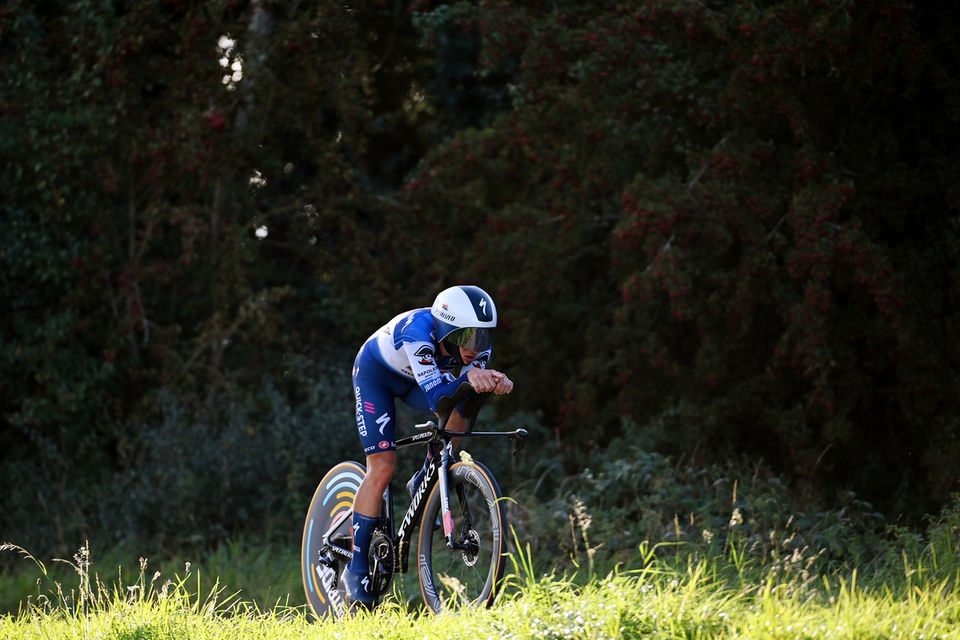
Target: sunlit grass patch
(662, 601)
(676, 589)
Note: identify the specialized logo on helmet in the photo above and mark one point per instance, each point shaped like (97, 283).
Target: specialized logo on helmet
(482, 304)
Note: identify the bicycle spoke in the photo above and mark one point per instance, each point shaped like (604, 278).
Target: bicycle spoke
(468, 573)
(464, 572)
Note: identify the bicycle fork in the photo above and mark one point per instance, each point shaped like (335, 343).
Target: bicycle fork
(446, 515)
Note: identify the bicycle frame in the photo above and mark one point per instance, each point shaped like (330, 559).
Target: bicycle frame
(439, 439)
(437, 472)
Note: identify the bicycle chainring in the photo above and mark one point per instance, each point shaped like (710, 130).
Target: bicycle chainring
(382, 563)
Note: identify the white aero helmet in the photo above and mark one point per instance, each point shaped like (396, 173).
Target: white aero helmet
(464, 317)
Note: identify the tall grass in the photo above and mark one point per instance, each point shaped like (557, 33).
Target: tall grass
(674, 591)
(264, 576)
(641, 548)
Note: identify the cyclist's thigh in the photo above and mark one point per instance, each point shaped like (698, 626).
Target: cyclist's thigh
(374, 388)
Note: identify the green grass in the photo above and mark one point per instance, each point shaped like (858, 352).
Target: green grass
(576, 577)
(264, 575)
(676, 592)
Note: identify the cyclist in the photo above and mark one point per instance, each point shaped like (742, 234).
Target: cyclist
(419, 357)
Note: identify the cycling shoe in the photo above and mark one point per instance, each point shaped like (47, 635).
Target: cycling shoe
(356, 588)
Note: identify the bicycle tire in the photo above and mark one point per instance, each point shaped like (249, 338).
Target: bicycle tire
(452, 578)
(333, 498)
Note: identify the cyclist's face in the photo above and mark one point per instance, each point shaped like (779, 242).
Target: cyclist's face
(467, 355)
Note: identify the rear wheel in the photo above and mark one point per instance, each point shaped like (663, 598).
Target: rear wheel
(321, 567)
(470, 573)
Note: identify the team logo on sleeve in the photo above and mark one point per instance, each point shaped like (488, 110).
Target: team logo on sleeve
(425, 353)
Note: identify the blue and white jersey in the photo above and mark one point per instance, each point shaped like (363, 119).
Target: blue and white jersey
(407, 346)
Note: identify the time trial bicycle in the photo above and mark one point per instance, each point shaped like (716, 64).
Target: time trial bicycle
(457, 507)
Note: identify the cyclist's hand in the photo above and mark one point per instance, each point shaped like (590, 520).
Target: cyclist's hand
(484, 380)
(504, 385)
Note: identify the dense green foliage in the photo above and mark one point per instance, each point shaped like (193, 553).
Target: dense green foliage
(713, 229)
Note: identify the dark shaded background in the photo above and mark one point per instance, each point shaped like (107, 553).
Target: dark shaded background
(719, 230)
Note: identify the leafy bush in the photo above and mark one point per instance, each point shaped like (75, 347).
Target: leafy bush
(198, 473)
(602, 515)
(734, 224)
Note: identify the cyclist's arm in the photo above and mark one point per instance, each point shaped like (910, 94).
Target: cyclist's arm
(435, 383)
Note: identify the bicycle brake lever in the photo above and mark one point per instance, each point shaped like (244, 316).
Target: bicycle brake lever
(520, 438)
(429, 424)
